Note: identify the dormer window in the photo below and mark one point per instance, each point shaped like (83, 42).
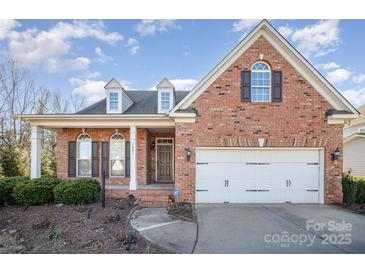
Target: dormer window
(165, 96)
(113, 100)
(165, 101)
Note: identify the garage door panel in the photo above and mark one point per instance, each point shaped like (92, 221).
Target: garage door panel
(258, 176)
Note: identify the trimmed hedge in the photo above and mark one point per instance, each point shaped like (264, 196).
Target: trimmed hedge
(353, 189)
(35, 192)
(6, 189)
(82, 191)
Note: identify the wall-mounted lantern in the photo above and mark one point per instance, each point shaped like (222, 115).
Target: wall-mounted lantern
(335, 155)
(152, 146)
(188, 154)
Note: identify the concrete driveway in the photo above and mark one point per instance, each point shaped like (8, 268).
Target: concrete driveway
(278, 228)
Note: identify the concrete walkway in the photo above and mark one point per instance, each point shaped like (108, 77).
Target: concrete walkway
(161, 229)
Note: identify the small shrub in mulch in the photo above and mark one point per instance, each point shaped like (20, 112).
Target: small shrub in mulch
(7, 187)
(35, 192)
(182, 210)
(83, 191)
(112, 219)
(42, 224)
(56, 234)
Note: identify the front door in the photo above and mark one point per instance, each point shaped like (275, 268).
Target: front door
(164, 162)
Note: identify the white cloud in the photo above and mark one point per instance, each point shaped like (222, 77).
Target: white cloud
(6, 26)
(181, 84)
(150, 27)
(318, 39)
(34, 46)
(92, 90)
(338, 75)
(133, 46)
(328, 66)
(286, 31)
(355, 96)
(358, 79)
(102, 57)
(244, 24)
(61, 65)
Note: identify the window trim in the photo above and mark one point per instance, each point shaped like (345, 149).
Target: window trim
(165, 100)
(78, 158)
(113, 101)
(270, 82)
(110, 158)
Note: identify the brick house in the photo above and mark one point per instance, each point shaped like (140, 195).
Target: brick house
(263, 126)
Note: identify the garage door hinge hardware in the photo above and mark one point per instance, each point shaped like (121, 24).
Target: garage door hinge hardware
(198, 190)
(288, 183)
(201, 163)
(312, 190)
(314, 164)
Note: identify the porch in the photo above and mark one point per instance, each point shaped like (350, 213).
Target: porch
(135, 159)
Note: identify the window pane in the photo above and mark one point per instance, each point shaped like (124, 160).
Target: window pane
(84, 167)
(117, 149)
(113, 100)
(84, 149)
(117, 167)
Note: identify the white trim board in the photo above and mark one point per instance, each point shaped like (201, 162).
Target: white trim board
(289, 53)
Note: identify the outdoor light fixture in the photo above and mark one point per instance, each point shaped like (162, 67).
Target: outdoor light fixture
(152, 146)
(335, 155)
(188, 153)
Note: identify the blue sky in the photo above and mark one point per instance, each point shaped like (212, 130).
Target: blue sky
(81, 56)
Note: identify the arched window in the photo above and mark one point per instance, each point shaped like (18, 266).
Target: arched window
(260, 82)
(117, 155)
(84, 155)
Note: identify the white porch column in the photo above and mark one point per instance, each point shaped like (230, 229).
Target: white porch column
(133, 160)
(35, 160)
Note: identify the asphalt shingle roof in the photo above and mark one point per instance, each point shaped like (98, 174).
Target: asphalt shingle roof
(145, 102)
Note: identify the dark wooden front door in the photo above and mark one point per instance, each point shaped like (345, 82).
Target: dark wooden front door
(164, 162)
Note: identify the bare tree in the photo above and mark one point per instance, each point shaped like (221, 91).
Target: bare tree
(58, 103)
(77, 102)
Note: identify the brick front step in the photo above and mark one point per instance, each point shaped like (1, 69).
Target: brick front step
(148, 197)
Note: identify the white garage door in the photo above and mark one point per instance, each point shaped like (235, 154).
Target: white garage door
(258, 175)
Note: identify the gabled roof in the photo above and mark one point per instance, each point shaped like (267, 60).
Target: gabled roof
(113, 84)
(165, 83)
(144, 102)
(266, 30)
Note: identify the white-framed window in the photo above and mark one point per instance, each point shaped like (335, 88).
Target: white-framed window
(113, 100)
(260, 82)
(165, 101)
(84, 155)
(117, 155)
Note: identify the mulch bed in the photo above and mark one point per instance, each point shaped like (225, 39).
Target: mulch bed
(70, 229)
(182, 210)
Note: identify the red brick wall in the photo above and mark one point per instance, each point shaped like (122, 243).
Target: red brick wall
(223, 120)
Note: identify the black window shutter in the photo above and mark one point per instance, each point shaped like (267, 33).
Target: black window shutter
(277, 86)
(246, 86)
(95, 159)
(71, 159)
(105, 158)
(127, 159)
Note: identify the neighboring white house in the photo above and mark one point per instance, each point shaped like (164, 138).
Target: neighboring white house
(354, 146)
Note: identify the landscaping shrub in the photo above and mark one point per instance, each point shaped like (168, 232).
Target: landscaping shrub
(6, 189)
(35, 192)
(82, 191)
(353, 189)
(361, 191)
